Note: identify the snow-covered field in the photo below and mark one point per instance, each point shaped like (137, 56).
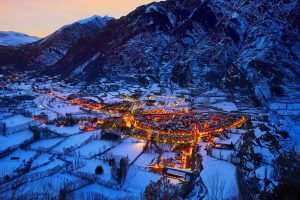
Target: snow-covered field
(91, 165)
(45, 144)
(234, 138)
(100, 190)
(92, 148)
(14, 139)
(65, 130)
(15, 160)
(51, 184)
(222, 154)
(226, 106)
(41, 160)
(48, 166)
(137, 179)
(219, 175)
(145, 159)
(131, 147)
(69, 155)
(73, 141)
(16, 120)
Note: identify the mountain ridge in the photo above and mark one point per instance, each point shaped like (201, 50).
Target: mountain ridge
(11, 38)
(47, 51)
(235, 46)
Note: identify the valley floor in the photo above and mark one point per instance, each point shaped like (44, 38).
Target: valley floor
(64, 158)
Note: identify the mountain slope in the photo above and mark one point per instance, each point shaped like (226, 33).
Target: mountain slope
(241, 51)
(250, 48)
(47, 51)
(52, 48)
(233, 45)
(11, 38)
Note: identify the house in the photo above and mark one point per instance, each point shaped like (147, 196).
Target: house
(176, 173)
(17, 123)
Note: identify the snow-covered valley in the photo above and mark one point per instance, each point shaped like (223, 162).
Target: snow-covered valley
(56, 155)
(179, 99)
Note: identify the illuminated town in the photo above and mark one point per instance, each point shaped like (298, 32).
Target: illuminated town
(175, 125)
(170, 100)
(161, 134)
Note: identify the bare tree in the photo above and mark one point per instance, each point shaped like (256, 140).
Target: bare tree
(162, 189)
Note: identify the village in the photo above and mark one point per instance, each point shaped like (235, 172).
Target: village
(124, 135)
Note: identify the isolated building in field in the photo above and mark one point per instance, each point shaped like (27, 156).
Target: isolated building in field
(176, 173)
(16, 123)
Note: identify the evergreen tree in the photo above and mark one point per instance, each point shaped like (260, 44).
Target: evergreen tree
(99, 169)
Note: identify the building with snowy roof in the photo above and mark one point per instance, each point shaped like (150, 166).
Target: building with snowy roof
(17, 123)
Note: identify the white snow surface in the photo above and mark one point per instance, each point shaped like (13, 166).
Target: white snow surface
(102, 20)
(258, 133)
(11, 38)
(14, 139)
(221, 172)
(130, 147)
(226, 106)
(51, 165)
(73, 141)
(138, 179)
(66, 130)
(47, 143)
(91, 165)
(41, 160)
(99, 189)
(9, 165)
(151, 7)
(145, 159)
(234, 138)
(84, 21)
(16, 120)
(94, 147)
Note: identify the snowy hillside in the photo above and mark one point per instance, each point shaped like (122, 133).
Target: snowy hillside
(234, 46)
(11, 38)
(95, 18)
(205, 93)
(49, 50)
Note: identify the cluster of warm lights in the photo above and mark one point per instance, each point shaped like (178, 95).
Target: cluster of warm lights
(182, 127)
(43, 121)
(85, 104)
(156, 123)
(178, 136)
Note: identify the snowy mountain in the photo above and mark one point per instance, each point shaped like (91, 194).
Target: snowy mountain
(241, 47)
(97, 19)
(11, 38)
(232, 45)
(49, 50)
(230, 57)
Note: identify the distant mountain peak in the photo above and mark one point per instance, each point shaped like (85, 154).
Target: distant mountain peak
(11, 38)
(95, 18)
(151, 7)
